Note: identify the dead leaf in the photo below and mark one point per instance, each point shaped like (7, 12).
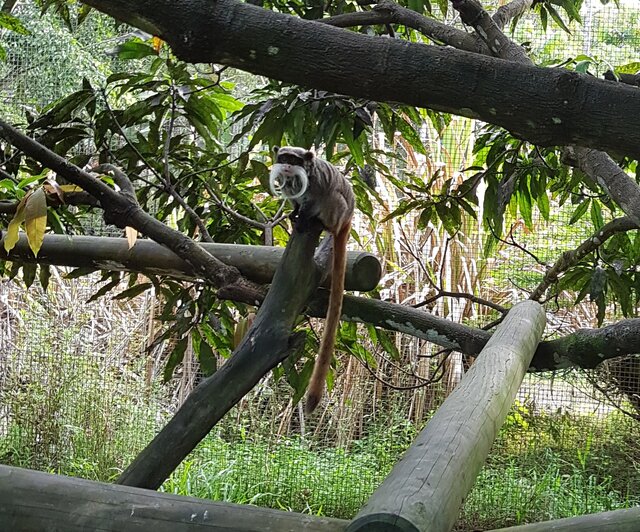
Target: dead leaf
(132, 236)
(35, 219)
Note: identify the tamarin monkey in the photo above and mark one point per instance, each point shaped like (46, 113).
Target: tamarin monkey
(317, 189)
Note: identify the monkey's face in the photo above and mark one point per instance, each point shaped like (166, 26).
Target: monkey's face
(289, 177)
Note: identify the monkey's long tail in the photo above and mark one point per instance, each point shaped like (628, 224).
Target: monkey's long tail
(334, 310)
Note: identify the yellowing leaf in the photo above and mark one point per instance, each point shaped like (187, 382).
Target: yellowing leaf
(157, 43)
(11, 238)
(132, 236)
(70, 188)
(35, 219)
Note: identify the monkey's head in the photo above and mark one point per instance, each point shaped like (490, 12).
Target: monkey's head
(289, 175)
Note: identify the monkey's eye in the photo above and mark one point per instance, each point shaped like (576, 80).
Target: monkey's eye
(287, 158)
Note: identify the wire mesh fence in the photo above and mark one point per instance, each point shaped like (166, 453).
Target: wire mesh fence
(80, 395)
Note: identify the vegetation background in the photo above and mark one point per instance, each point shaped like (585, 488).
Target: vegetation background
(83, 379)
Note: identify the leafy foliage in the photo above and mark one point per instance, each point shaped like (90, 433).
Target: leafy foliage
(195, 145)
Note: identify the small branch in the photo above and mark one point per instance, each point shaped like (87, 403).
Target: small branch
(506, 13)
(120, 178)
(614, 180)
(222, 205)
(570, 258)
(470, 297)
(512, 242)
(596, 164)
(628, 79)
(499, 44)
(388, 12)
(70, 198)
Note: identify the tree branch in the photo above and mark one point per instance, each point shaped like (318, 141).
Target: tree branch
(267, 343)
(388, 11)
(570, 258)
(597, 164)
(506, 13)
(123, 211)
(562, 106)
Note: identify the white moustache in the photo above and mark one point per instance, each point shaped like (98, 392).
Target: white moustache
(288, 181)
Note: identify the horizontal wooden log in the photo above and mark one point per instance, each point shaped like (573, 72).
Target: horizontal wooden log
(256, 263)
(31, 500)
(627, 520)
(425, 489)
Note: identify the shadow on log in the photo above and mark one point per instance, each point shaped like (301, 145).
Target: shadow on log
(426, 488)
(31, 500)
(256, 263)
(267, 343)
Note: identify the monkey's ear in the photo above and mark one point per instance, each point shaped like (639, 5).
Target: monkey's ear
(275, 150)
(308, 156)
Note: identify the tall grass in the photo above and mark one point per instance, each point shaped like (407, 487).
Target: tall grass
(574, 476)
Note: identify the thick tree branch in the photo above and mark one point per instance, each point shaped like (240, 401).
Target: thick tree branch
(70, 198)
(506, 13)
(256, 263)
(113, 253)
(123, 211)
(629, 79)
(267, 343)
(544, 106)
(570, 258)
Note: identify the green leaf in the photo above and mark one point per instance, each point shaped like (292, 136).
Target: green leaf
(80, 272)
(133, 291)
(135, 49)
(176, 356)
(579, 212)
(403, 207)
(543, 17)
(556, 17)
(524, 204)
(207, 359)
(29, 273)
(355, 146)
(12, 23)
(571, 9)
(45, 275)
(388, 344)
(410, 135)
(596, 215)
(629, 68)
(104, 289)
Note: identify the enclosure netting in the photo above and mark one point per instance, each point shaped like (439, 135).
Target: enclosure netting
(80, 395)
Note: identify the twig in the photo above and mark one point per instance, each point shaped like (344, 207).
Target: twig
(470, 297)
(570, 258)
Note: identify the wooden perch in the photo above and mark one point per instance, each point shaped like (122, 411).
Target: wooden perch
(426, 488)
(257, 263)
(31, 500)
(627, 520)
(267, 343)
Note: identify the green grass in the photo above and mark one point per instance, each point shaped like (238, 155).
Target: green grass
(553, 467)
(543, 466)
(286, 475)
